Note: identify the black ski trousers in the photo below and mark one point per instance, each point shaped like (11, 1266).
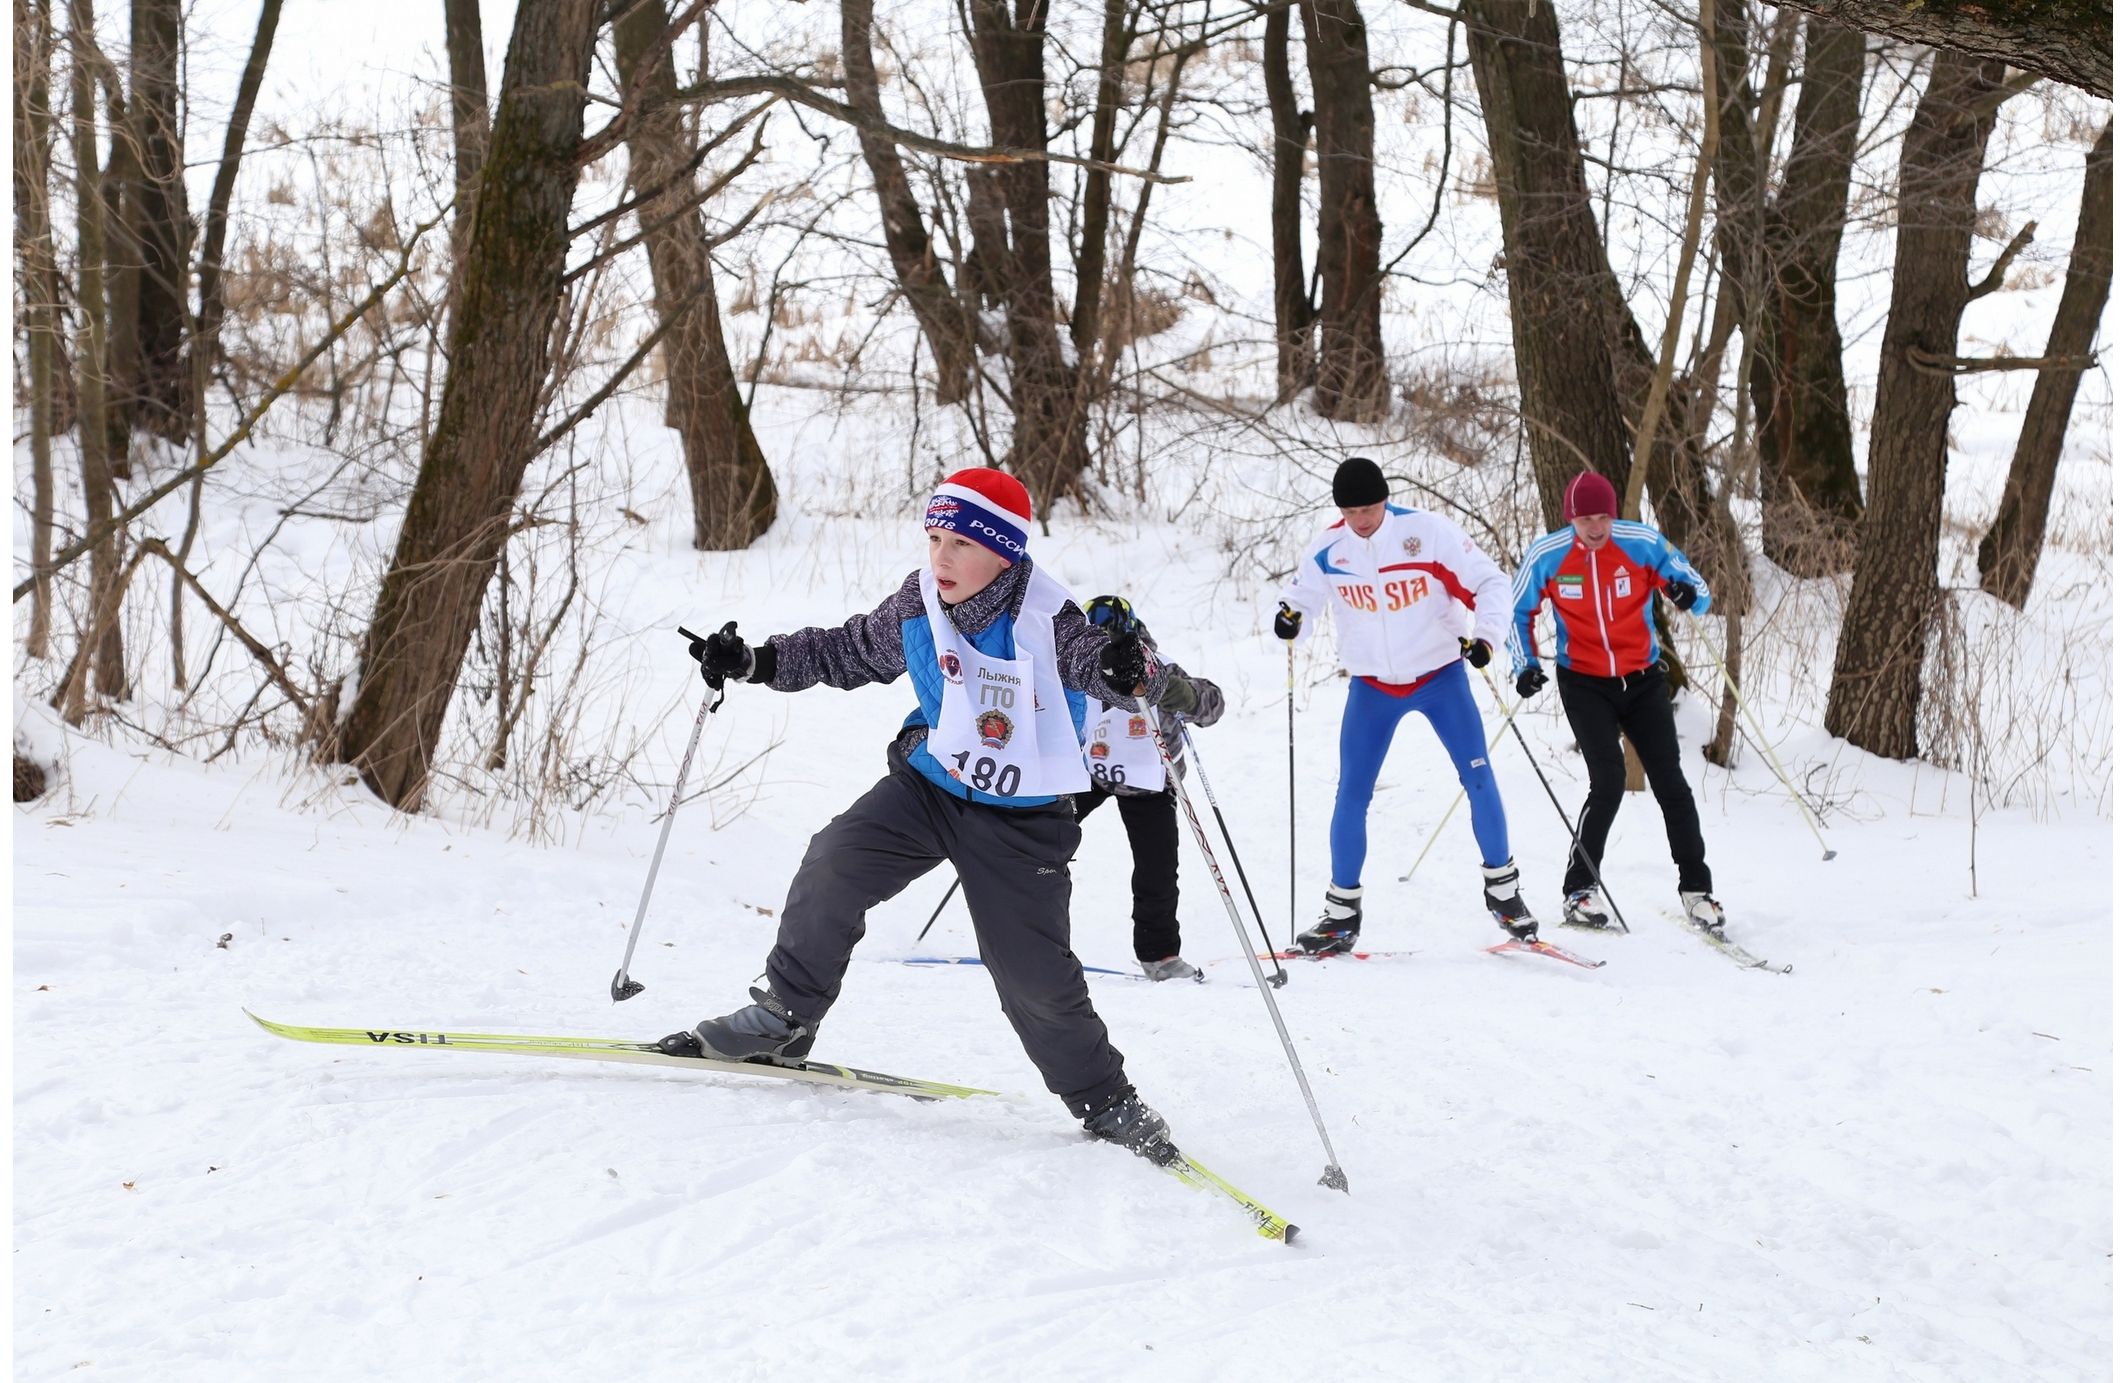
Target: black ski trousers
(1151, 821)
(1013, 861)
(1599, 708)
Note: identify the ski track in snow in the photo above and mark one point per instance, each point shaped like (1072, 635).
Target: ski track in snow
(1876, 1167)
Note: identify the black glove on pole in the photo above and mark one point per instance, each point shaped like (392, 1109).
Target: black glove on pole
(1682, 594)
(623, 985)
(1124, 662)
(1530, 682)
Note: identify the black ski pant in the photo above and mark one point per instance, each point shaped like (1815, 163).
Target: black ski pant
(1599, 708)
(1151, 821)
(1013, 861)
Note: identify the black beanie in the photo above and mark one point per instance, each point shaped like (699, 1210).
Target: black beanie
(1357, 482)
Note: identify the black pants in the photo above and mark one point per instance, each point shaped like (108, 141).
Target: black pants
(1640, 704)
(1152, 830)
(1013, 861)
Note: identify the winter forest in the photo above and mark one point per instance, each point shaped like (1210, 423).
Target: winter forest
(392, 381)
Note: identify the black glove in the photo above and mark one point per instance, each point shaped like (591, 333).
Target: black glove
(1180, 697)
(1529, 681)
(1682, 594)
(1477, 652)
(1287, 623)
(723, 656)
(1124, 662)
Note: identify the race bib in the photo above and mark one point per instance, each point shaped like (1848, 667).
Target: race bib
(1005, 727)
(1122, 751)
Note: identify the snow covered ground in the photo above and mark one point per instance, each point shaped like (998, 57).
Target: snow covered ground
(1893, 1162)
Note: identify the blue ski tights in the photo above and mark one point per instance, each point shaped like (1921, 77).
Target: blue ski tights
(1371, 719)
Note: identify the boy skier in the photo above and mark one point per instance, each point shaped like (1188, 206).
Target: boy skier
(1401, 583)
(981, 774)
(1125, 767)
(1602, 576)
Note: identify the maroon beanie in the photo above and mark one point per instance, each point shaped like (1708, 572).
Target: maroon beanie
(1587, 495)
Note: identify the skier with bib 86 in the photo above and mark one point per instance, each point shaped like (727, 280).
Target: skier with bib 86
(1125, 768)
(1602, 575)
(981, 774)
(1403, 585)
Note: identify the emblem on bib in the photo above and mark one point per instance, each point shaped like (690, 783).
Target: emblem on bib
(1100, 750)
(1136, 728)
(1412, 546)
(952, 668)
(994, 729)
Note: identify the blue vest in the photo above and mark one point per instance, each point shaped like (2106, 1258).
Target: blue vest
(996, 640)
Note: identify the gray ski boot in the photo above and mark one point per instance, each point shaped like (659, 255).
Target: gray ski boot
(1171, 968)
(764, 1030)
(1126, 1120)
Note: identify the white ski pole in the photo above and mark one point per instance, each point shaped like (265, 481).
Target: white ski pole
(623, 985)
(1334, 1177)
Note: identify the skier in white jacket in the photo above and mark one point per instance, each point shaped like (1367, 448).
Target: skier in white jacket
(1406, 586)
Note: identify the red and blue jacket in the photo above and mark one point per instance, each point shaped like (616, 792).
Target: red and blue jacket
(1602, 624)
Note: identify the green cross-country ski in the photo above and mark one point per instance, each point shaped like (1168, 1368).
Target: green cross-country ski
(1184, 1168)
(620, 1049)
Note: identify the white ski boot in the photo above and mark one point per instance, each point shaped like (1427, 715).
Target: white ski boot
(1703, 914)
(1506, 901)
(1171, 968)
(1582, 910)
(1337, 930)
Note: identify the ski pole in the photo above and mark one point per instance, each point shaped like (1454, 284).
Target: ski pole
(1334, 1177)
(623, 985)
(1280, 976)
(1574, 836)
(1767, 749)
(1291, 796)
(1448, 811)
(938, 910)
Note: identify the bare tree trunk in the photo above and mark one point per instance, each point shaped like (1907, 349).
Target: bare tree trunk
(212, 298)
(121, 275)
(1085, 323)
(1050, 448)
(2009, 553)
(154, 376)
(1352, 385)
(944, 320)
(471, 474)
(1811, 498)
(2071, 43)
(102, 639)
(1293, 312)
(1556, 262)
(1876, 690)
(466, 41)
(33, 246)
(733, 496)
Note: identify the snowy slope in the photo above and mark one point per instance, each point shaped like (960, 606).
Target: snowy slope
(1894, 1162)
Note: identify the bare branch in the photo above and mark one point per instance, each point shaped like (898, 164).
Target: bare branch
(803, 94)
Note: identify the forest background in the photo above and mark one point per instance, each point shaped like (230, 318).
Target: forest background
(348, 354)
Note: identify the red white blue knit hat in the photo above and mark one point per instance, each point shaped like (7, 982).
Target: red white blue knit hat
(988, 506)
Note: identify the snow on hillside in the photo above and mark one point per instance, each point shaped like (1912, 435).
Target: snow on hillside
(1892, 1162)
